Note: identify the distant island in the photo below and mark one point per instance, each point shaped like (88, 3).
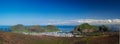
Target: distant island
(81, 30)
(34, 28)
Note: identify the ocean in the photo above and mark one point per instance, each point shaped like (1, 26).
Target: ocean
(64, 28)
(5, 28)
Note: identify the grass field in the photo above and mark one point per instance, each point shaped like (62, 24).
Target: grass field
(15, 38)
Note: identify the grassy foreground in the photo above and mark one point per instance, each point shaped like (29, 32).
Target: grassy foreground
(15, 38)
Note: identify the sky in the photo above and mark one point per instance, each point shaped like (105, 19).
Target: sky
(44, 12)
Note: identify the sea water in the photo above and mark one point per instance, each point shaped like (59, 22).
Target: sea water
(62, 28)
(65, 28)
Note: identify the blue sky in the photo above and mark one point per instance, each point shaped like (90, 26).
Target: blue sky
(42, 11)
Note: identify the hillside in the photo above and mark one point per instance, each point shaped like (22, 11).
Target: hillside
(15, 38)
(34, 28)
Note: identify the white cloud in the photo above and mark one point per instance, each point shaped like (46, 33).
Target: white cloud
(91, 21)
(66, 22)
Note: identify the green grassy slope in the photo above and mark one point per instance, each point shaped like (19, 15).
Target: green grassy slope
(14, 38)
